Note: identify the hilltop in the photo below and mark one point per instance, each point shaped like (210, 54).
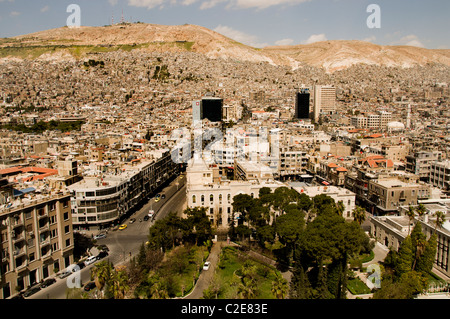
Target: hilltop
(69, 43)
(340, 54)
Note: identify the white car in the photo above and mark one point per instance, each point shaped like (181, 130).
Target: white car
(206, 265)
(150, 213)
(90, 260)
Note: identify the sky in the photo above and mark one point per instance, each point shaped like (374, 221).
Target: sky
(257, 23)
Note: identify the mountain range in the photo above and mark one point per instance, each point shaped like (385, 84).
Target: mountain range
(333, 55)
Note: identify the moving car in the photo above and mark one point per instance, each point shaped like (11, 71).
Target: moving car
(146, 217)
(122, 227)
(163, 196)
(206, 265)
(132, 220)
(151, 212)
(99, 236)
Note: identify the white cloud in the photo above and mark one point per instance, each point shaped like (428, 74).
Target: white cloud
(411, 40)
(316, 38)
(149, 4)
(188, 2)
(14, 14)
(263, 4)
(240, 36)
(207, 4)
(370, 39)
(113, 2)
(210, 3)
(284, 42)
(45, 9)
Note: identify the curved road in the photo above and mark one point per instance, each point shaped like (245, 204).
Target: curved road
(124, 243)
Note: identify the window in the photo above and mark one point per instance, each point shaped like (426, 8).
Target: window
(67, 229)
(51, 207)
(229, 197)
(203, 199)
(220, 198)
(211, 198)
(66, 216)
(194, 199)
(67, 242)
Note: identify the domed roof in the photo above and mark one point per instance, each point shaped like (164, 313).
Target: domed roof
(396, 125)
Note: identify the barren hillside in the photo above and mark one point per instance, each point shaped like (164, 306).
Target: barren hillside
(67, 43)
(337, 55)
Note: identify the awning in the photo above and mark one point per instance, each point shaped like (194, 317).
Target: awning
(325, 183)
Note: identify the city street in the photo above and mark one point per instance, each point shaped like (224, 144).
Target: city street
(125, 243)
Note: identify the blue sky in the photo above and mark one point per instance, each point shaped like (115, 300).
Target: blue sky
(254, 22)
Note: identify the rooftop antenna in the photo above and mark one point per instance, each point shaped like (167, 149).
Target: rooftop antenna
(121, 18)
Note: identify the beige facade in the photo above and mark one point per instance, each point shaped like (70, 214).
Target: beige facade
(390, 194)
(36, 242)
(324, 100)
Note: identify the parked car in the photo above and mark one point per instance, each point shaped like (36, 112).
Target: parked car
(65, 274)
(48, 282)
(31, 291)
(101, 255)
(100, 236)
(102, 247)
(90, 285)
(81, 265)
(206, 265)
(90, 260)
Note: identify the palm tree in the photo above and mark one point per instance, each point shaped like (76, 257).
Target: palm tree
(410, 214)
(280, 287)
(158, 291)
(101, 274)
(440, 219)
(340, 208)
(120, 284)
(359, 214)
(421, 210)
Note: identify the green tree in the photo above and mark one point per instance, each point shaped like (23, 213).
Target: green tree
(425, 263)
(405, 257)
(197, 225)
(280, 287)
(440, 219)
(359, 214)
(410, 213)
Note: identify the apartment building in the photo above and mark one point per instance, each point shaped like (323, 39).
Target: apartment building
(440, 174)
(419, 163)
(100, 200)
(387, 195)
(324, 100)
(36, 240)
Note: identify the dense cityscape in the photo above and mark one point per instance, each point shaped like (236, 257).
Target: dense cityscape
(185, 176)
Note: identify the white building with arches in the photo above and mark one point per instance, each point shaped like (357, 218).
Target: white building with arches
(206, 189)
